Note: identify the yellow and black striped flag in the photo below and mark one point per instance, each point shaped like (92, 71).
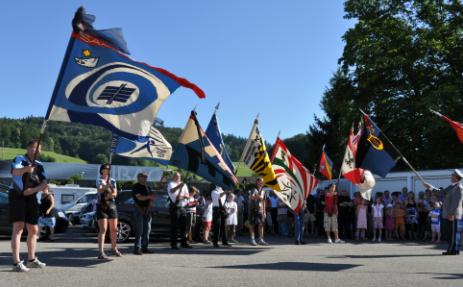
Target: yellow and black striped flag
(256, 158)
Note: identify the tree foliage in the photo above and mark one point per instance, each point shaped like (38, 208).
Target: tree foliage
(400, 59)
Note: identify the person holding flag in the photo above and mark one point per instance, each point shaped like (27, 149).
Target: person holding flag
(28, 178)
(452, 211)
(106, 211)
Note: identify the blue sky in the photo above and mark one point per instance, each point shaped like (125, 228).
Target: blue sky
(269, 57)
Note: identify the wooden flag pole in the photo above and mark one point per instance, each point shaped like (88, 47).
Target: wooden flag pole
(400, 153)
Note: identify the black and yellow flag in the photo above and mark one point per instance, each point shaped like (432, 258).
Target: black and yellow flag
(256, 158)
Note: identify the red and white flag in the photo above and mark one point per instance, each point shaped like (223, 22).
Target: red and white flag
(457, 126)
(348, 169)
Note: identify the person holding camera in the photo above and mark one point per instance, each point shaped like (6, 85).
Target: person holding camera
(28, 178)
(106, 211)
(142, 197)
(219, 215)
(178, 196)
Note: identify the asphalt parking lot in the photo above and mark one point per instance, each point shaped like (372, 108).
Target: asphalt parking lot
(72, 262)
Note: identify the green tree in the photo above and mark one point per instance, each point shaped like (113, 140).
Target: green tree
(400, 58)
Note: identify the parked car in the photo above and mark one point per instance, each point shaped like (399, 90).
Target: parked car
(62, 222)
(80, 206)
(160, 226)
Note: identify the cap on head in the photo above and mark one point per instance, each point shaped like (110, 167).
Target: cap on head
(142, 174)
(458, 173)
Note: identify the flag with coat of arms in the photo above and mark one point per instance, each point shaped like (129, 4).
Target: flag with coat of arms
(99, 84)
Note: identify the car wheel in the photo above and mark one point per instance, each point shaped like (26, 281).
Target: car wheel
(124, 230)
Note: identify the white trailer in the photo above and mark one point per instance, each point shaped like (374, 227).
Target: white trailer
(68, 194)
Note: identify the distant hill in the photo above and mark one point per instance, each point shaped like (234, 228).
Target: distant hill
(86, 142)
(10, 153)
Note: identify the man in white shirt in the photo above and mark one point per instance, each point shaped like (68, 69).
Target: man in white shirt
(178, 195)
(219, 216)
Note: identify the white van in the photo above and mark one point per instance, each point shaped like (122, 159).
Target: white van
(69, 194)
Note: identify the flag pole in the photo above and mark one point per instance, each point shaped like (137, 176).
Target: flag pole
(437, 113)
(216, 108)
(400, 153)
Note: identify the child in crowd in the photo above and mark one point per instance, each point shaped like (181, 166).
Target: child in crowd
(377, 210)
(411, 218)
(434, 214)
(389, 222)
(207, 219)
(399, 220)
(232, 217)
(361, 212)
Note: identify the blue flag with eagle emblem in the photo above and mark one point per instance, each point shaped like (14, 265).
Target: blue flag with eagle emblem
(99, 84)
(153, 147)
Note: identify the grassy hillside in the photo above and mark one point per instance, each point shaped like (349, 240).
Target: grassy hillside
(10, 153)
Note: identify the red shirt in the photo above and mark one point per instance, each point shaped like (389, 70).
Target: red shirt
(331, 204)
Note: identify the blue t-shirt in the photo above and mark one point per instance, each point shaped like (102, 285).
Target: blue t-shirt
(21, 161)
(99, 181)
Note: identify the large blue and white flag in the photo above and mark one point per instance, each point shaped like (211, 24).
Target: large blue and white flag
(195, 152)
(214, 134)
(99, 84)
(153, 147)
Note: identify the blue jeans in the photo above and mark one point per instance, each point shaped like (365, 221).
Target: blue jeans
(142, 229)
(299, 227)
(283, 227)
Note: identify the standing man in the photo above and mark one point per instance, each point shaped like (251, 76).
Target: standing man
(143, 197)
(274, 211)
(330, 214)
(178, 195)
(452, 211)
(28, 179)
(218, 216)
(257, 212)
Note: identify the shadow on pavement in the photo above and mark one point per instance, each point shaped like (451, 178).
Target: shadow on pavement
(383, 256)
(206, 250)
(68, 257)
(295, 266)
(444, 275)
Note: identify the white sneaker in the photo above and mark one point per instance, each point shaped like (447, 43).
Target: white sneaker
(35, 264)
(20, 267)
(253, 242)
(339, 241)
(379, 239)
(330, 241)
(262, 242)
(374, 239)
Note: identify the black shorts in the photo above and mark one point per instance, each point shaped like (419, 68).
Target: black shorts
(257, 219)
(23, 208)
(110, 212)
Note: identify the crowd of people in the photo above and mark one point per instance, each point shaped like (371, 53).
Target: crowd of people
(229, 214)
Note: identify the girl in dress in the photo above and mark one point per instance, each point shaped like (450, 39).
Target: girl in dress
(361, 212)
(232, 217)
